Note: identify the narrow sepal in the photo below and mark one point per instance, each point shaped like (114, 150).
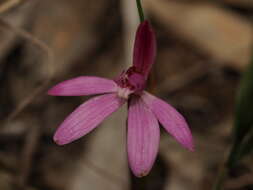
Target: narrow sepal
(172, 121)
(84, 85)
(143, 137)
(86, 117)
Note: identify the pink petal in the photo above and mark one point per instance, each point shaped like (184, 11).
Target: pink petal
(86, 117)
(172, 121)
(143, 137)
(84, 85)
(144, 48)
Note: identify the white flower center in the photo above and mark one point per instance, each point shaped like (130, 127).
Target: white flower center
(124, 92)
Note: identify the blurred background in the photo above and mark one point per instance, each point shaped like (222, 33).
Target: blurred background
(203, 48)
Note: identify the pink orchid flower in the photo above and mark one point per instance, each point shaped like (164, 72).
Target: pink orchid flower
(145, 111)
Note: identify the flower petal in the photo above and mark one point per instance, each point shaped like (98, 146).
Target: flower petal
(144, 48)
(172, 121)
(84, 85)
(143, 137)
(86, 117)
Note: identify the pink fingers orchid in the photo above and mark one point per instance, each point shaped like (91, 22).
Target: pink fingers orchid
(145, 111)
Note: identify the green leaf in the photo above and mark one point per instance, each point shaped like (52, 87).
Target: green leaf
(247, 146)
(244, 106)
(243, 119)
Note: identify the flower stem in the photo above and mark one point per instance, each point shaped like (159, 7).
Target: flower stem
(140, 10)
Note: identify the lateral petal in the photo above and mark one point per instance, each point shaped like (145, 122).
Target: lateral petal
(84, 85)
(173, 122)
(86, 117)
(143, 137)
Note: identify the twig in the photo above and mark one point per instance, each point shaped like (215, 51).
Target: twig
(6, 6)
(26, 161)
(42, 46)
(130, 23)
(183, 79)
